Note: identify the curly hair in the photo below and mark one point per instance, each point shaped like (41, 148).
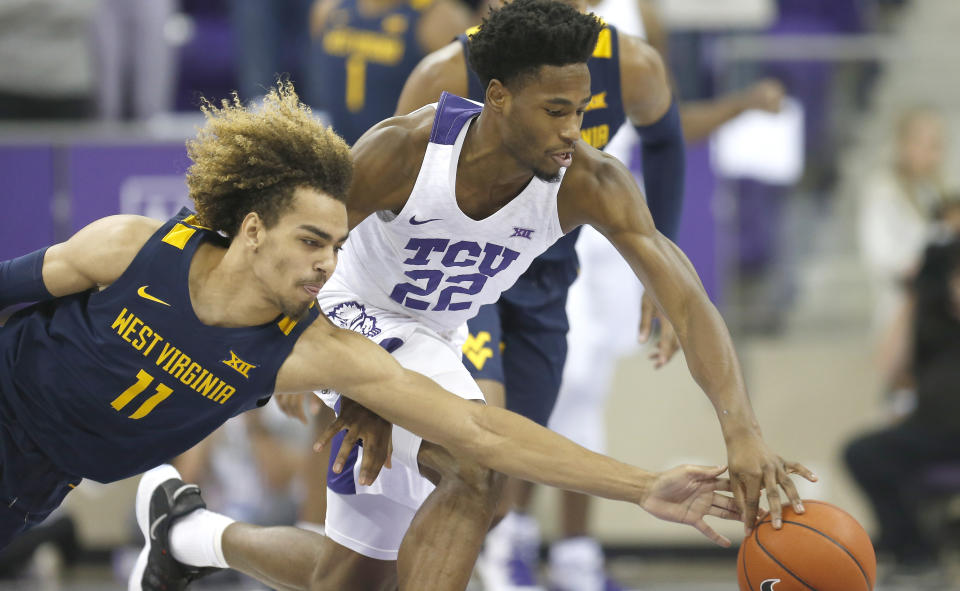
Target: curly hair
(251, 160)
(525, 34)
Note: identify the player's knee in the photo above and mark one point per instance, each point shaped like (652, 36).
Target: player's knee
(480, 482)
(461, 475)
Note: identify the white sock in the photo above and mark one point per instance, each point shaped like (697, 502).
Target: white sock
(197, 538)
(312, 526)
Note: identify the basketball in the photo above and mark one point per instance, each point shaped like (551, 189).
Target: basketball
(824, 549)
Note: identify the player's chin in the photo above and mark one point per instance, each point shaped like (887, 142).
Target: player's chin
(549, 173)
(299, 307)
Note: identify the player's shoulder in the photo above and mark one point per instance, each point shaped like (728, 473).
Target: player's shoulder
(443, 69)
(638, 57)
(592, 175)
(131, 231)
(391, 151)
(448, 59)
(398, 135)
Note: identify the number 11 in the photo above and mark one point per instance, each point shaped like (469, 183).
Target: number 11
(143, 380)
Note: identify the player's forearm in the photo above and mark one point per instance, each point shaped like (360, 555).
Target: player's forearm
(505, 441)
(514, 445)
(709, 351)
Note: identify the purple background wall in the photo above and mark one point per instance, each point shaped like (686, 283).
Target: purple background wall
(26, 192)
(148, 179)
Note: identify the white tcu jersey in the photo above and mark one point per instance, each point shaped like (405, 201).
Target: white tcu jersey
(432, 261)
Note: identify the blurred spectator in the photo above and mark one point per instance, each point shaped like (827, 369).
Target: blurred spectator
(363, 51)
(896, 209)
(46, 71)
(888, 463)
(270, 38)
(249, 466)
(136, 57)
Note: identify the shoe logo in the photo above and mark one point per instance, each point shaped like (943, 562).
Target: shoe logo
(768, 584)
(142, 292)
(416, 222)
(522, 233)
(239, 364)
(156, 523)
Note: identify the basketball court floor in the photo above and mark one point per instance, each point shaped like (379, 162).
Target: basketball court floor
(640, 574)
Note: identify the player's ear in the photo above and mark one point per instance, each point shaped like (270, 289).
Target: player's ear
(251, 230)
(497, 95)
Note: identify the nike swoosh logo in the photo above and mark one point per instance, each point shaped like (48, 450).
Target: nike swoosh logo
(153, 527)
(416, 222)
(768, 584)
(142, 292)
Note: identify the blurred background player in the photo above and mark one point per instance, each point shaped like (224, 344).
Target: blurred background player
(363, 50)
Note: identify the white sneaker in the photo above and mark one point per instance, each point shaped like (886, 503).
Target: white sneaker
(576, 564)
(509, 561)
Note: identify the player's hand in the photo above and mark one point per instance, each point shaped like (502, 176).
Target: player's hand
(687, 494)
(754, 467)
(292, 405)
(667, 343)
(361, 424)
(766, 95)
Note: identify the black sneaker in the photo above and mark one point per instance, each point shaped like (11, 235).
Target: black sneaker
(162, 498)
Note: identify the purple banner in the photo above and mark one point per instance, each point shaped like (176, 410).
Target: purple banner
(138, 179)
(26, 220)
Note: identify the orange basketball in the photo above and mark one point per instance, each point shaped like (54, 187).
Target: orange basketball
(823, 550)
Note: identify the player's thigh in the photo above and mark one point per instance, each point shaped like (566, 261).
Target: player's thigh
(31, 486)
(369, 525)
(535, 349)
(482, 352)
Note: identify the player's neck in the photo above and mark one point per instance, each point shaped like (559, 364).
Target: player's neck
(222, 291)
(488, 176)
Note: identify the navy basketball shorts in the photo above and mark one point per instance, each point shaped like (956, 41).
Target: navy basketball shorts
(31, 487)
(521, 342)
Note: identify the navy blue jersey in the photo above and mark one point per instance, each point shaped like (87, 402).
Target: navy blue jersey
(602, 119)
(362, 63)
(111, 383)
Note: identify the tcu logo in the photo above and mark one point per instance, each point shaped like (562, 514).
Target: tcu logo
(487, 261)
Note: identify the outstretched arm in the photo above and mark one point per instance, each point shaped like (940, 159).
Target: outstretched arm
(327, 357)
(95, 256)
(602, 192)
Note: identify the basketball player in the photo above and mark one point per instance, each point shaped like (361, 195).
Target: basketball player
(142, 344)
(363, 51)
(517, 346)
(463, 198)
